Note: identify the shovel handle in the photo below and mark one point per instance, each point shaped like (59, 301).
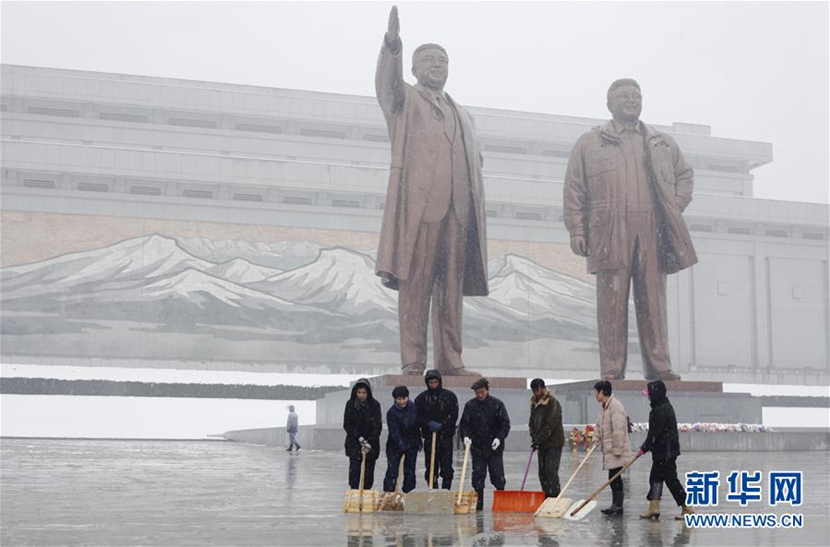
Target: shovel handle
(463, 473)
(432, 460)
(527, 469)
(585, 459)
(606, 483)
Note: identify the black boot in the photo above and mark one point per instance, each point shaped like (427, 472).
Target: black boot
(616, 503)
(480, 502)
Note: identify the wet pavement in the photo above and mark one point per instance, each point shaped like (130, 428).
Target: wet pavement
(72, 492)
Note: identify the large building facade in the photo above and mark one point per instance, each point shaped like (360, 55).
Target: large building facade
(161, 222)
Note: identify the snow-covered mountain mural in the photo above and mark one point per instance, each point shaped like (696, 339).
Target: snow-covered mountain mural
(295, 301)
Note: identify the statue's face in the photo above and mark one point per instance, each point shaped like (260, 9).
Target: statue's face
(626, 103)
(431, 68)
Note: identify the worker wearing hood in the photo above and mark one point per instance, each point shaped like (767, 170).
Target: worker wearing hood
(664, 444)
(363, 423)
(438, 412)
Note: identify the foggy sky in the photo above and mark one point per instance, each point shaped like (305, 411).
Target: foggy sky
(751, 70)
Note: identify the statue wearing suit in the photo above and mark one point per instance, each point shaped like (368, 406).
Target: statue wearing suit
(626, 186)
(432, 243)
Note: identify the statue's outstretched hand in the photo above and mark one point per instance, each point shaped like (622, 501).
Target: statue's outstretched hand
(393, 32)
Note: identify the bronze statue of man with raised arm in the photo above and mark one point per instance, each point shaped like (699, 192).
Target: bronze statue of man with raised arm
(433, 246)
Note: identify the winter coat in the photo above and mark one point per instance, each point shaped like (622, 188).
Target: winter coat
(662, 440)
(612, 432)
(595, 206)
(483, 421)
(404, 428)
(362, 420)
(440, 405)
(545, 425)
(416, 129)
(293, 422)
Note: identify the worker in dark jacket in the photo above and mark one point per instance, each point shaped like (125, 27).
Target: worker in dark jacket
(363, 423)
(484, 427)
(664, 444)
(547, 435)
(438, 412)
(404, 440)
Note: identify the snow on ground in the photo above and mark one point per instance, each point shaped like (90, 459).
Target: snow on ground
(74, 416)
(196, 418)
(174, 376)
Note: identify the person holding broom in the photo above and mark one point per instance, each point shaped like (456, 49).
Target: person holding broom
(484, 426)
(547, 435)
(363, 423)
(438, 413)
(404, 440)
(664, 444)
(611, 434)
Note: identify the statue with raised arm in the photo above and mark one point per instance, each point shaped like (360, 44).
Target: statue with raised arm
(433, 248)
(626, 187)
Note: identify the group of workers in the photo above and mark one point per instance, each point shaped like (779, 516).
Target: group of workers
(484, 427)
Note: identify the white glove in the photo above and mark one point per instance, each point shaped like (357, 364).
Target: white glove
(468, 441)
(496, 443)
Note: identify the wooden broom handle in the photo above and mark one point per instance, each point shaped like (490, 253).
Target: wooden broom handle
(601, 488)
(585, 459)
(432, 460)
(463, 473)
(362, 478)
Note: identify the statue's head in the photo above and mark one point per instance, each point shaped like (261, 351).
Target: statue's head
(625, 101)
(430, 65)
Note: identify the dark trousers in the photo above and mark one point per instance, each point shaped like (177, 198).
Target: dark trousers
(292, 441)
(665, 471)
(494, 464)
(617, 484)
(436, 275)
(549, 470)
(443, 462)
(354, 473)
(393, 461)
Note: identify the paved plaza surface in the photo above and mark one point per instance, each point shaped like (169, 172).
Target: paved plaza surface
(102, 492)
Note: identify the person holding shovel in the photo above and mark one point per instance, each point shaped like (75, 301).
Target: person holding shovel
(484, 426)
(547, 435)
(404, 440)
(438, 413)
(363, 423)
(664, 444)
(611, 434)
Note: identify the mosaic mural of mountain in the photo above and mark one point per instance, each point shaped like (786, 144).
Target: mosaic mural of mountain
(197, 299)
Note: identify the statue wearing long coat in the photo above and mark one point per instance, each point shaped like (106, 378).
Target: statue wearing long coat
(416, 164)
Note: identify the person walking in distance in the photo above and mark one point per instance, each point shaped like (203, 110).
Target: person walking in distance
(611, 434)
(547, 435)
(292, 427)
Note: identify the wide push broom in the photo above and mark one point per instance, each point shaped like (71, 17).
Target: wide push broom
(432, 502)
(583, 507)
(513, 501)
(394, 501)
(465, 502)
(556, 507)
(360, 500)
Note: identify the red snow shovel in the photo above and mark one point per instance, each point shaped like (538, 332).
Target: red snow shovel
(512, 501)
(583, 507)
